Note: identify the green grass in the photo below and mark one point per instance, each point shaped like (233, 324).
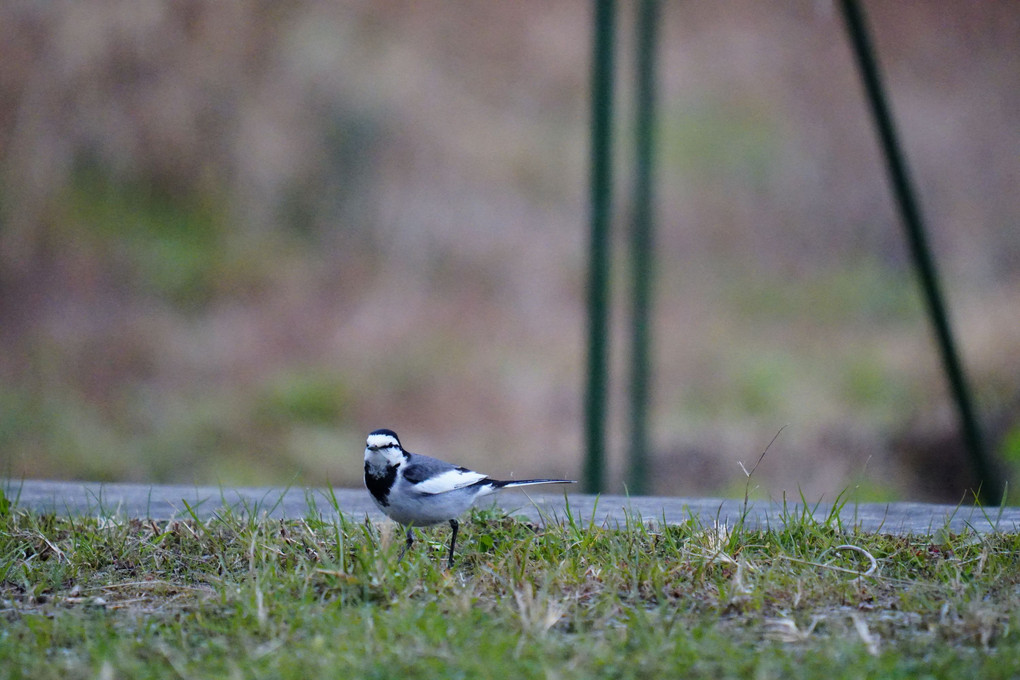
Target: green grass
(245, 596)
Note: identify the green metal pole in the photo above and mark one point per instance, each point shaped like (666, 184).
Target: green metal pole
(641, 247)
(991, 482)
(598, 267)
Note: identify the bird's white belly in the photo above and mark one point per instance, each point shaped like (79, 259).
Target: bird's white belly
(414, 509)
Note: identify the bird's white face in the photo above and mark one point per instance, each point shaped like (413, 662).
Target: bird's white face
(382, 450)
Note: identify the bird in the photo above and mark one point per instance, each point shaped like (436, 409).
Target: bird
(416, 490)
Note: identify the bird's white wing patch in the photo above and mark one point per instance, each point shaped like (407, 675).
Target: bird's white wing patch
(448, 481)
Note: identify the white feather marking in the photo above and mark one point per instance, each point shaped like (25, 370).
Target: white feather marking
(380, 441)
(448, 481)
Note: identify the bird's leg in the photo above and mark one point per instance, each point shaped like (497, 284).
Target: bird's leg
(407, 545)
(453, 541)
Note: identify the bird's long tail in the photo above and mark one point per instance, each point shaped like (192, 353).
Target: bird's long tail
(507, 483)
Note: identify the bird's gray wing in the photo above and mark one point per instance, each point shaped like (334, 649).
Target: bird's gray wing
(431, 475)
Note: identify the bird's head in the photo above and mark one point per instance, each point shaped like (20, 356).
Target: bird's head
(382, 448)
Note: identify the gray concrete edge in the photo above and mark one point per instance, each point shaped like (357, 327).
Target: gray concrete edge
(165, 502)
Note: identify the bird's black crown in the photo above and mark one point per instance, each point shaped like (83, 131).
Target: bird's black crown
(386, 432)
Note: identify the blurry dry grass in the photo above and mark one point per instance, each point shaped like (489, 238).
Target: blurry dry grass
(237, 236)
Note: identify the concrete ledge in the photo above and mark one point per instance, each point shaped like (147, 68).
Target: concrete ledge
(173, 501)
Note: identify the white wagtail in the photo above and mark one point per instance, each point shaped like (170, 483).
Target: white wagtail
(416, 490)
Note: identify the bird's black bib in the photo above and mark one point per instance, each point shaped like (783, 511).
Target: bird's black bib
(379, 486)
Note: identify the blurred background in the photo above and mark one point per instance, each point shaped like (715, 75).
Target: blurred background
(237, 236)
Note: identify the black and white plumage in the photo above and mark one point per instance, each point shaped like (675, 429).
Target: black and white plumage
(416, 490)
